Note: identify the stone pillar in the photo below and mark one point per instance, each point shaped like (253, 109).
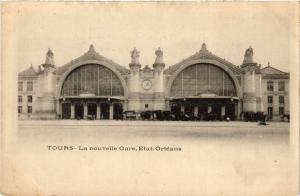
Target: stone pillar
(98, 111)
(223, 110)
(168, 105)
(72, 110)
(182, 108)
(111, 111)
(209, 109)
(85, 112)
(237, 108)
(196, 110)
(59, 108)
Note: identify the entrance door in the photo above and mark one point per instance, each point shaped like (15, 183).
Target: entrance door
(118, 111)
(216, 111)
(92, 110)
(202, 111)
(230, 111)
(175, 110)
(66, 110)
(104, 111)
(189, 109)
(79, 110)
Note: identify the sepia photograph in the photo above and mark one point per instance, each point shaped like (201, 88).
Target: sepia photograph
(150, 98)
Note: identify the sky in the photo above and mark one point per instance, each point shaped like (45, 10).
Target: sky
(228, 29)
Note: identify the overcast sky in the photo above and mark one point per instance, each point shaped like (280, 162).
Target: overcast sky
(228, 29)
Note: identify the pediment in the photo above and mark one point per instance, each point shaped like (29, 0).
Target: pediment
(91, 55)
(206, 55)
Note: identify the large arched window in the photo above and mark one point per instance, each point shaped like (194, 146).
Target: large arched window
(202, 79)
(92, 79)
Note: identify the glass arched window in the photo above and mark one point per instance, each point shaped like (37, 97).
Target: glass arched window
(202, 79)
(92, 79)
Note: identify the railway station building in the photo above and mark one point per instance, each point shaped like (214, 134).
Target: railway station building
(202, 83)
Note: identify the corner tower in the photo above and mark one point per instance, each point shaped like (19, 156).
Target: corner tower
(251, 79)
(134, 80)
(47, 86)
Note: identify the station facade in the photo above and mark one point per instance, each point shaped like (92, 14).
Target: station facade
(93, 85)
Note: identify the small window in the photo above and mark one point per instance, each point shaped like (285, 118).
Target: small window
(29, 99)
(20, 99)
(270, 111)
(20, 86)
(281, 99)
(29, 109)
(19, 109)
(270, 86)
(29, 86)
(281, 86)
(281, 110)
(270, 99)
(146, 105)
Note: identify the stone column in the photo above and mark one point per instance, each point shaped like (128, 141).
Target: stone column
(98, 111)
(196, 110)
(209, 109)
(85, 111)
(182, 108)
(223, 110)
(111, 111)
(72, 111)
(237, 108)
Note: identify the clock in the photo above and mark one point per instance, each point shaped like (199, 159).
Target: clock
(146, 84)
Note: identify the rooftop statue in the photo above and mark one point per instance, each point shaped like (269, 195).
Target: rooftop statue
(159, 56)
(248, 57)
(49, 58)
(135, 54)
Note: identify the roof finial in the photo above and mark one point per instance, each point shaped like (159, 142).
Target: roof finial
(269, 64)
(203, 47)
(91, 49)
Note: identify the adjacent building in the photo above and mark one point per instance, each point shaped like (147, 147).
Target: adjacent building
(202, 83)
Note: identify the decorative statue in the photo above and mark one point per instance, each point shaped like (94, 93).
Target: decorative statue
(135, 54)
(248, 57)
(49, 58)
(159, 56)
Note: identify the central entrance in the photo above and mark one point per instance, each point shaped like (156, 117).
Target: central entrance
(79, 110)
(105, 111)
(92, 110)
